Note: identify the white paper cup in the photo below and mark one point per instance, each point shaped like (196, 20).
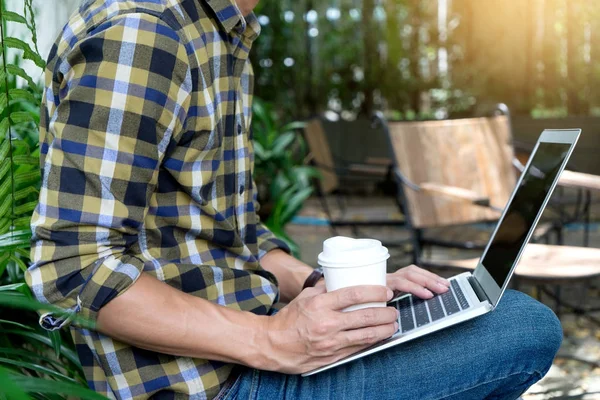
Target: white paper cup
(352, 262)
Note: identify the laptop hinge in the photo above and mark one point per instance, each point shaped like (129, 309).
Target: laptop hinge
(478, 289)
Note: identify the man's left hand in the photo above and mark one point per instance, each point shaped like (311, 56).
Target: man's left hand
(417, 281)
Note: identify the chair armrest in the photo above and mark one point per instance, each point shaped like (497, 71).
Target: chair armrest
(455, 192)
(384, 161)
(379, 170)
(579, 180)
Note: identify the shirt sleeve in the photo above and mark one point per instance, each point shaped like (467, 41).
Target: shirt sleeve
(120, 96)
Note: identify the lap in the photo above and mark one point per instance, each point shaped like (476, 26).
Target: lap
(512, 346)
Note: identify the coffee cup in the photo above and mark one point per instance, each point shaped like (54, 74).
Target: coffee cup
(352, 262)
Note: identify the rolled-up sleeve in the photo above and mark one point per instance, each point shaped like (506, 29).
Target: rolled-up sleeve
(119, 98)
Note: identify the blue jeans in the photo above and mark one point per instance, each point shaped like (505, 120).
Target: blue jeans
(496, 356)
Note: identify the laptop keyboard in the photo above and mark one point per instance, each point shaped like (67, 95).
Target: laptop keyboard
(416, 312)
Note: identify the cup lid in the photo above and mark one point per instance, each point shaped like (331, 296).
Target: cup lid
(341, 251)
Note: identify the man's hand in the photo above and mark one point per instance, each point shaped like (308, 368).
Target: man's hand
(312, 331)
(417, 281)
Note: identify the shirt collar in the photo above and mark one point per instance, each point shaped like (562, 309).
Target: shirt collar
(231, 19)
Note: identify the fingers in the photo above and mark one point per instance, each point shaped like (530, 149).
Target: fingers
(369, 336)
(417, 281)
(373, 316)
(431, 275)
(349, 296)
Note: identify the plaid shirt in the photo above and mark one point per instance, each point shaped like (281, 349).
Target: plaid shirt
(147, 165)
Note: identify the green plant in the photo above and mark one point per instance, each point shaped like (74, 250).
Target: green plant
(34, 363)
(284, 181)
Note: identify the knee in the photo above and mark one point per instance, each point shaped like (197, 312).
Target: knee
(537, 331)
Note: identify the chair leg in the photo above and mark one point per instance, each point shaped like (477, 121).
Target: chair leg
(557, 301)
(586, 216)
(538, 293)
(325, 206)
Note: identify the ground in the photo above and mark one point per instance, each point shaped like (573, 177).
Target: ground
(568, 378)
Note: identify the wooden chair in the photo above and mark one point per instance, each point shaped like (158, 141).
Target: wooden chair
(457, 172)
(377, 169)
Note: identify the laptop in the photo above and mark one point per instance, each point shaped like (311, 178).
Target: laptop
(475, 293)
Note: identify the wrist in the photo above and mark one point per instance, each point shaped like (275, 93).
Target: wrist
(263, 354)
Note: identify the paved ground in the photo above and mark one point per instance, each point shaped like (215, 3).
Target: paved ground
(568, 379)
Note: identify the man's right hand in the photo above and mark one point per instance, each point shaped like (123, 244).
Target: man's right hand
(313, 331)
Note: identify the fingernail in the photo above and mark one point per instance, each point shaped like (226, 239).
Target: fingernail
(390, 294)
(396, 325)
(429, 293)
(442, 286)
(445, 282)
(398, 313)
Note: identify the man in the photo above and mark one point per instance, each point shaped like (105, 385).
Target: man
(147, 225)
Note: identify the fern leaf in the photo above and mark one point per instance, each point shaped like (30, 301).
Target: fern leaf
(28, 52)
(6, 203)
(20, 72)
(22, 94)
(4, 148)
(19, 262)
(3, 129)
(27, 177)
(22, 222)
(26, 208)
(13, 16)
(18, 117)
(3, 101)
(4, 168)
(25, 159)
(4, 225)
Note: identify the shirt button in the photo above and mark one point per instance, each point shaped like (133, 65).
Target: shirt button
(239, 128)
(242, 188)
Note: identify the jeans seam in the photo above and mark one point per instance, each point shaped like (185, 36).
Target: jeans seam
(531, 374)
(252, 395)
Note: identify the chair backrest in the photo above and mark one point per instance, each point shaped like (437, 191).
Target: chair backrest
(474, 154)
(321, 155)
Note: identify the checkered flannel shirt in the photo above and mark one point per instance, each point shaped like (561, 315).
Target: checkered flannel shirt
(147, 164)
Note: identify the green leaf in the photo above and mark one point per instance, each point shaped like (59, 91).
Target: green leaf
(26, 159)
(66, 352)
(18, 71)
(18, 117)
(259, 151)
(39, 385)
(3, 101)
(5, 322)
(28, 52)
(26, 208)
(22, 94)
(5, 146)
(15, 239)
(10, 388)
(14, 17)
(19, 262)
(294, 126)
(56, 341)
(282, 143)
(295, 204)
(13, 287)
(37, 368)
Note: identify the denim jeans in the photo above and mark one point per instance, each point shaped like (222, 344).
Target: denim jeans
(496, 356)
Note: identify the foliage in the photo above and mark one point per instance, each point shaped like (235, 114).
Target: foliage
(34, 363)
(283, 181)
(429, 58)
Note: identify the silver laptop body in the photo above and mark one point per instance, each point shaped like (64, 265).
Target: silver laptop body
(475, 293)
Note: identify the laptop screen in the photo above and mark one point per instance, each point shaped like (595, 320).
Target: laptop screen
(523, 209)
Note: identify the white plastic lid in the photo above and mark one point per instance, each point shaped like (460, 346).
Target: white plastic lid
(341, 251)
